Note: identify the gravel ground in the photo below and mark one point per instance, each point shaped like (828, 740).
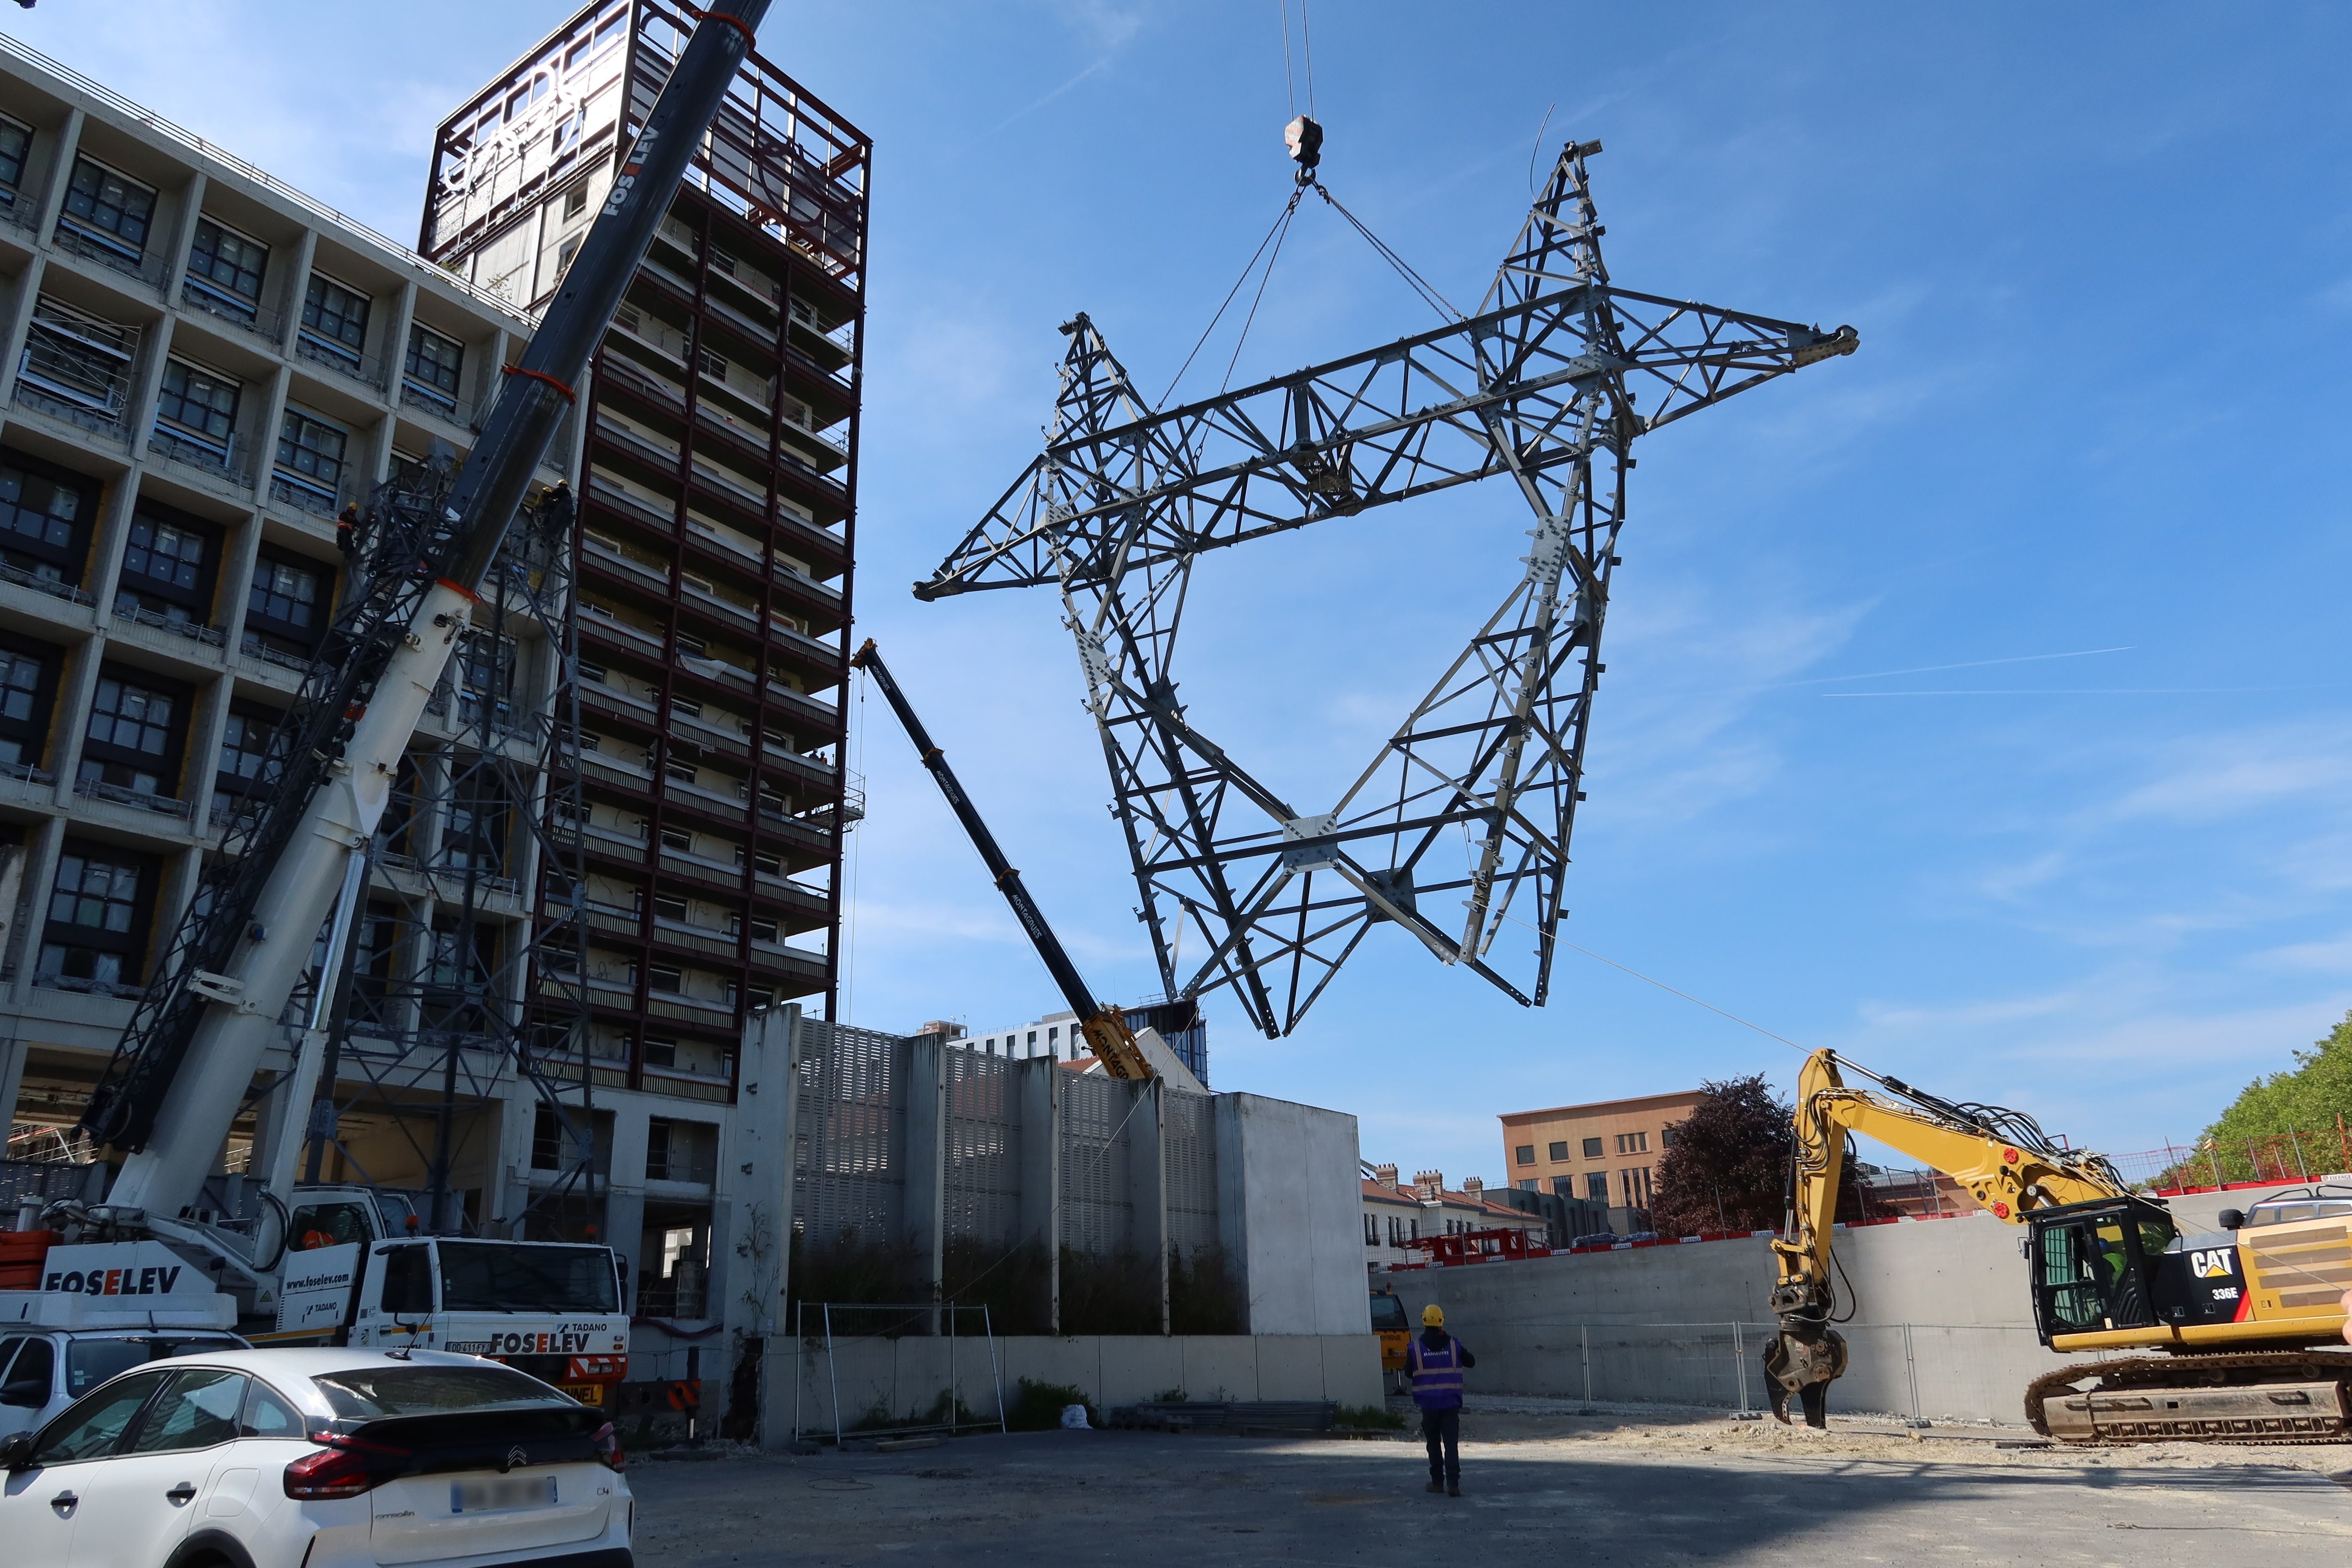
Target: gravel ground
(1619, 1485)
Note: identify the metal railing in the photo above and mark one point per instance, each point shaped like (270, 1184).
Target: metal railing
(365, 369)
(55, 587)
(93, 245)
(247, 315)
(161, 805)
(222, 461)
(194, 630)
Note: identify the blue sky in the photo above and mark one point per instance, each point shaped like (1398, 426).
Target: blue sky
(2101, 262)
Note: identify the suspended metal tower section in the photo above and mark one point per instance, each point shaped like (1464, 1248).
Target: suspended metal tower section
(1461, 823)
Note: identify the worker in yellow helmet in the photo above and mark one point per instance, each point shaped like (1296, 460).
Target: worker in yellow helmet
(1435, 1360)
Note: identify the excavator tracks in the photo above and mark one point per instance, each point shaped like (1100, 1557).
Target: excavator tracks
(2263, 1396)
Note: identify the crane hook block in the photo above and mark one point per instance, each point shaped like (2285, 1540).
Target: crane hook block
(1305, 140)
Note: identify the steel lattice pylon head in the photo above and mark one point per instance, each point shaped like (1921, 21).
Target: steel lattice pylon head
(1461, 823)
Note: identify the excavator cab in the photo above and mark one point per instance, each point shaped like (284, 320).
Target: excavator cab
(2095, 1265)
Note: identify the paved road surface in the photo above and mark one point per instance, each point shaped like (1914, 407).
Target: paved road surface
(1048, 1499)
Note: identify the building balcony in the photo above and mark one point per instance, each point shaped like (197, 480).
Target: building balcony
(211, 637)
(433, 400)
(161, 805)
(77, 238)
(55, 587)
(225, 461)
(616, 633)
(349, 363)
(223, 305)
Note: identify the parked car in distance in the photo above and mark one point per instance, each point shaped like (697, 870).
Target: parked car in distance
(42, 1371)
(1597, 1238)
(318, 1459)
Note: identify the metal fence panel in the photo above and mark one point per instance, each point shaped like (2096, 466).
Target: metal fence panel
(1189, 1130)
(1097, 1215)
(849, 1133)
(983, 1152)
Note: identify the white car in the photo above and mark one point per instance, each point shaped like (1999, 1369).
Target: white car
(318, 1459)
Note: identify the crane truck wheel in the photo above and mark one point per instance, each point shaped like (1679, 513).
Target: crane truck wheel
(1804, 1361)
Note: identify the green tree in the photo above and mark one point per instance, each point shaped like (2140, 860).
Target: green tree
(1727, 1168)
(2257, 1137)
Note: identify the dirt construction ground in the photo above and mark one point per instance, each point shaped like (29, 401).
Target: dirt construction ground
(1541, 1483)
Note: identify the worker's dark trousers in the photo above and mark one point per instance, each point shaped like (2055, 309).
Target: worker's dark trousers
(1440, 1431)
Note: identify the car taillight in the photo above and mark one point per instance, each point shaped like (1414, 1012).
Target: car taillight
(609, 1452)
(338, 1469)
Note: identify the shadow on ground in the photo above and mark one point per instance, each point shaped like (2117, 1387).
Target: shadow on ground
(1117, 1497)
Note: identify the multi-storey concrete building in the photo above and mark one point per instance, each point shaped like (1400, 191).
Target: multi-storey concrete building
(199, 369)
(718, 522)
(1603, 1153)
(1056, 1035)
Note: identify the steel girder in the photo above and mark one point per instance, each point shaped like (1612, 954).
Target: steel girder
(1549, 382)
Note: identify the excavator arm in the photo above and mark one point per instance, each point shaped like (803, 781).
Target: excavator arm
(2002, 1157)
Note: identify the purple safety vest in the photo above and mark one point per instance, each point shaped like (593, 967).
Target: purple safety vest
(1436, 1373)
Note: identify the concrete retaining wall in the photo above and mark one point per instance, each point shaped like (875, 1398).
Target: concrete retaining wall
(1942, 1326)
(905, 1378)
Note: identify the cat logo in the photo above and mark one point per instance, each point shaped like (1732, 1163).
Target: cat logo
(2219, 1264)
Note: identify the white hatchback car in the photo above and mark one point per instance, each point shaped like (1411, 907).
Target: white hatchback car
(318, 1459)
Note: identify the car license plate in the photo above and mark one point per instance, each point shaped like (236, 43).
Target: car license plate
(496, 1497)
(586, 1393)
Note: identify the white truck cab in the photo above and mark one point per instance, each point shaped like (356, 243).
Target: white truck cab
(357, 1272)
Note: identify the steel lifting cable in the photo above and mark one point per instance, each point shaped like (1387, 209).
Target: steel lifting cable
(1420, 285)
(1281, 221)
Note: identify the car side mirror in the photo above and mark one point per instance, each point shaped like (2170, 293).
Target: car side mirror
(2233, 1219)
(17, 1452)
(29, 1394)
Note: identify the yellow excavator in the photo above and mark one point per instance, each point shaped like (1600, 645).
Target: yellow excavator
(2242, 1330)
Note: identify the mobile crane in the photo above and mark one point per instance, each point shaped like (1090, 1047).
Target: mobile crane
(291, 864)
(1124, 1053)
(2235, 1323)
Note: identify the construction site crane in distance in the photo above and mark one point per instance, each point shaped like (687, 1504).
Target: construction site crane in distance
(291, 864)
(1124, 1054)
(2235, 1322)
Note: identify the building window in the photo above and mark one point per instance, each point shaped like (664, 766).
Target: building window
(484, 671)
(1634, 1184)
(167, 570)
(677, 838)
(310, 462)
(1558, 1151)
(1666, 1138)
(1632, 1142)
(1596, 1185)
(575, 200)
(432, 368)
(1525, 1154)
(661, 1053)
(42, 515)
(474, 836)
(225, 272)
(96, 935)
(285, 607)
(665, 978)
(667, 907)
(764, 931)
(109, 212)
(564, 255)
(15, 146)
(25, 696)
(195, 413)
(1563, 1186)
(334, 323)
(245, 766)
(131, 737)
(1592, 1148)
(712, 365)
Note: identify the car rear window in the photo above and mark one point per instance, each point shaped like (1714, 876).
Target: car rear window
(366, 1393)
(498, 1277)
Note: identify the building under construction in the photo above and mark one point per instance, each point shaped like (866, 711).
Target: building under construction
(616, 835)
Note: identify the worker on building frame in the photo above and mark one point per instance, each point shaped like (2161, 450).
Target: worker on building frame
(1435, 1360)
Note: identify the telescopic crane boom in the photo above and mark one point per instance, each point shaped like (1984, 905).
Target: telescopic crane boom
(1104, 1027)
(2233, 1319)
(179, 1074)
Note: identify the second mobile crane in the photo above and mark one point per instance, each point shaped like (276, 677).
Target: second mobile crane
(293, 864)
(2234, 1328)
(1123, 1052)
